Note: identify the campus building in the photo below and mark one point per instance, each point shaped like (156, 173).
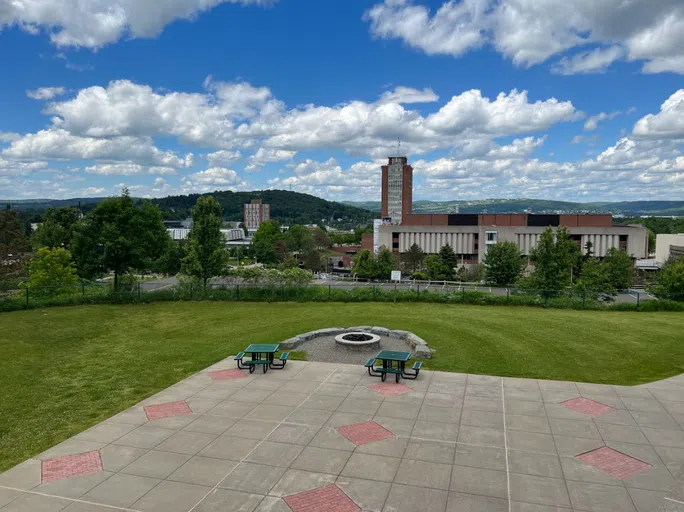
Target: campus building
(471, 234)
(668, 247)
(255, 213)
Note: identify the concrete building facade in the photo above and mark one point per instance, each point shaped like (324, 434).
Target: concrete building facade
(471, 234)
(668, 246)
(255, 213)
(397, 190)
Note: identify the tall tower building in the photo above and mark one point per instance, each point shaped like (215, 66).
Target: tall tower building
(397, 189)
(255, 213)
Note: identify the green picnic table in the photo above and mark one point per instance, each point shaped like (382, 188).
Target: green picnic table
(388, 358)
(261, 354)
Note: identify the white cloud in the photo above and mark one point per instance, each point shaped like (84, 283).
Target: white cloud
(127, 169)
(214, 176)
(592, 122)
(46, 93)
(238, 115)
(96, 23)
(594, 61)
(263, 156)
(223, 158)
(668, 123)
(530, 32)
(58, 144)
(406, 95)
(8, 136)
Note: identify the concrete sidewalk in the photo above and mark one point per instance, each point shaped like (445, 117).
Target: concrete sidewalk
(327, 437)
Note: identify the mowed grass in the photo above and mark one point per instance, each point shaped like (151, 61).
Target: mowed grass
(65, 369)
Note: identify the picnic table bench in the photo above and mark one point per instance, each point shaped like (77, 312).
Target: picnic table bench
(388, 358)
(261, 355)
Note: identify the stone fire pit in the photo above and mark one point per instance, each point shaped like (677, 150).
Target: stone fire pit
(358, 339)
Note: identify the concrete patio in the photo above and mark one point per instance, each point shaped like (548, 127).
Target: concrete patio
(327, 437)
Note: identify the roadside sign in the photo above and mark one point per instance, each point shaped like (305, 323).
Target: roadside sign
(396, 275)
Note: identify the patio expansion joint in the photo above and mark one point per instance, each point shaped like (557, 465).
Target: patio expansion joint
(72, 500)
(505, 435)
(260, 442)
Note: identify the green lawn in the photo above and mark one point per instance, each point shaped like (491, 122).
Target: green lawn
(65, 369)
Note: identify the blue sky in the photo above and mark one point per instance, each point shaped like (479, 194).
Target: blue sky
(506, 98)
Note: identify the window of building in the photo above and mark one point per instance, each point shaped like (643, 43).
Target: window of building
(491, 237)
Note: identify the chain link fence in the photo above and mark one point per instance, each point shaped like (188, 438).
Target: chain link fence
(22, 297)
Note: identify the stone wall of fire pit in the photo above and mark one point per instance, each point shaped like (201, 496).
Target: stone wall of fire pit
(418, 345)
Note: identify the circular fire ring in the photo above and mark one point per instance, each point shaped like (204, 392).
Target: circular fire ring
(357, 339)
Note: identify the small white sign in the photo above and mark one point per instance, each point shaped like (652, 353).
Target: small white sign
(396, 275)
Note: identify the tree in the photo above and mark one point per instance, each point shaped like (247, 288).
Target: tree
(619, 268)
(296, 236)
(364, 265)
(413, 258)
(116, 235)
(13, 244)
(448, 256)
(312, 260)
(554, 258)
(264, 242)
(503, 264)
(595, 279)
(206, 246)
(670, 284)
(50, 270)
(57, 229)
(384, 264)
(171, 260)
(321, 238)
(436, 268)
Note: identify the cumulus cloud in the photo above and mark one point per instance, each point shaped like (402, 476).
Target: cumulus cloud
(530, 32)
(223, 158)
(127, 169)
(214, 178)
(45, 93)
(59, 144)
(406, 95)
(666, 124)
(266, 155)
(93, 24)
(592, 122)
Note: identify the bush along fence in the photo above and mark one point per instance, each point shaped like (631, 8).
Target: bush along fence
(89, 293)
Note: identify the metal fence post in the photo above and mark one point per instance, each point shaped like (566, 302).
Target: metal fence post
(237, 291)
(373, 292)
(190, 291)
(584, 298)
(27, 296)
(82, 289)
(508, 295)
(329, 291)
(638, 298)
(418, 290)
(138, 291)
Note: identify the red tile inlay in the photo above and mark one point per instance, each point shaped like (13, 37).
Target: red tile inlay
(388, 389)
(329, 499)
(227, 374)
(586, 406)
(366, 432)
(169, 410)
(613, 462)
(71, 465)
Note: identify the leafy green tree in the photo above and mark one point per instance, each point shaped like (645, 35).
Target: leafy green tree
(670, 284)
(448, 256)
(50, 270)
(619, 268)
(364, 265)
(13, 244)
(171, 260)
(595, 279)
(384, 264)
(555, 258)
(503, 264)
(296, 236)
(57, 229)
(264, 242)
(116, 235)
(413, 258)
(206, 254)
(435, 267)
(312, 260)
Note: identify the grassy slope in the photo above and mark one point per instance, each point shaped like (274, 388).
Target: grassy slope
(64, 369)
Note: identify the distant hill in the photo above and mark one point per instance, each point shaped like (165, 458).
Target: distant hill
(626, 208)
(286, 207)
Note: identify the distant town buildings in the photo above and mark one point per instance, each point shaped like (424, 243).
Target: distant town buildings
(255, 213)
(470, 235)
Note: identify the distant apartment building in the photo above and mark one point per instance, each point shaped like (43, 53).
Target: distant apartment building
(470, 235)
(255, 213)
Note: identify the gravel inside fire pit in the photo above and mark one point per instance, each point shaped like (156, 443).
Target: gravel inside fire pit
(325, 349)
